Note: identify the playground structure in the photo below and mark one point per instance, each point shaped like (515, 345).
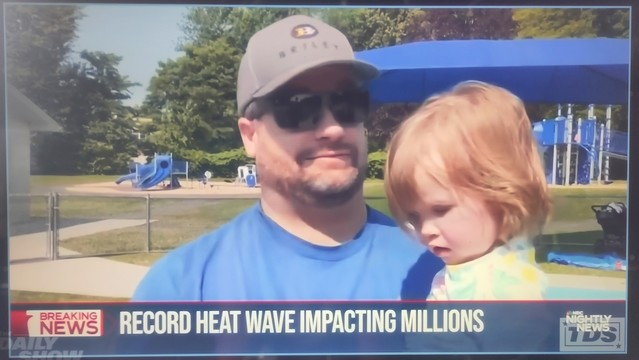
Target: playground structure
(578, 151)
(161, 167)
(243, 171)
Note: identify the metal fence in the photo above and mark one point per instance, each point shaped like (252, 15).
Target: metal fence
(57, 226)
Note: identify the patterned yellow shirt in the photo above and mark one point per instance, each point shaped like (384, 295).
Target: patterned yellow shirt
(506, 273)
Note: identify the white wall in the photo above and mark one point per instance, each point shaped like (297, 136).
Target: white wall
(18, 171)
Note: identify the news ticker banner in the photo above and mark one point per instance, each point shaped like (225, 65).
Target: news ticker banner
(277, 328)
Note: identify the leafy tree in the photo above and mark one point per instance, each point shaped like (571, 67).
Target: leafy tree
(38, 40)
(98, 127)
(192, 99)
(370, 28)
(612, 23)
(204, 25)
(463, 24)
(200, 85)
(83, 96)
(577, 23)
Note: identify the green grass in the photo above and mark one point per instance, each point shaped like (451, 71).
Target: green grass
(573, 226)
(182, 220)
(575, 203)
(570, 203)
(551, 268)
(90, 206)
(172, 229)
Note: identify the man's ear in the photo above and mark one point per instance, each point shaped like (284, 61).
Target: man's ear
(249, 137)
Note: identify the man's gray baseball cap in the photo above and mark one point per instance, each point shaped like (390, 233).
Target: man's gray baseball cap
(287, 48)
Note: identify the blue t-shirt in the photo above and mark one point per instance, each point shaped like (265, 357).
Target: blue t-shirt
(253, 258)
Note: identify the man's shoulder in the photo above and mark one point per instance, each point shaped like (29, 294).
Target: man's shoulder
(239, 226)
(204, 246)
(386, 225)
(173, 276)
(393, 238)
(378, 218)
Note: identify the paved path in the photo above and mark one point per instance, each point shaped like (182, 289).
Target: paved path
(83, 276)
(587, 282)
(33, 246)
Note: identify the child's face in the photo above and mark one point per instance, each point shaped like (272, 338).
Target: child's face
(455, 228)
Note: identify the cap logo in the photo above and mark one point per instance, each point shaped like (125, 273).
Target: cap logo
(304, 31)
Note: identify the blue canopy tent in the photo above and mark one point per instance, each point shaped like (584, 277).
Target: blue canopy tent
(580, 71)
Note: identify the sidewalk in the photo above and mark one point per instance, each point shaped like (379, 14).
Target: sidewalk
(82, 276)
(587, 282)
(31, 271)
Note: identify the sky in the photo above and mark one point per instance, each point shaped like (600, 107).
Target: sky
(142, 35)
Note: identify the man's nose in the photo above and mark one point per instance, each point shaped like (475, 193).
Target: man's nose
(328, 127)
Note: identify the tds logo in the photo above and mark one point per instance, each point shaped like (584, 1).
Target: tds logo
(596, 333)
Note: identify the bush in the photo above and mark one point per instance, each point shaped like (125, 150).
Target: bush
(376, 163)
(223, 164)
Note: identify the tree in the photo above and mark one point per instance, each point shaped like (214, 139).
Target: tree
(84, 97)
(230, 28)
(205, 25)
(97, 136)
(577, 23)
(200, 85)
(370, 28)
(612, 23)
(38, 40)
(464, 24)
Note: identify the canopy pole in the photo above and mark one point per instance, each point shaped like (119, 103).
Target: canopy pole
(554, 147)
(568, 140)
(607, 143)
(591, 156)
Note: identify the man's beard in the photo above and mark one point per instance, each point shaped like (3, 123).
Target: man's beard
(311, 186)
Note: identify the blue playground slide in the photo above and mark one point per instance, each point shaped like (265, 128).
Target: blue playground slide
(587, 140)
(149, 175)
(552, 131)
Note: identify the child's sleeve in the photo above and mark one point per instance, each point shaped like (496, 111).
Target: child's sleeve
(438, 287)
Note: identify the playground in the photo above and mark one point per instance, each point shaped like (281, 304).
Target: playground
(113, 223)
(188, 188)
(173, 207)
(163, 172)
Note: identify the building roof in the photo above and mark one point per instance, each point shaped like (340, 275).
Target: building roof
(23, 110)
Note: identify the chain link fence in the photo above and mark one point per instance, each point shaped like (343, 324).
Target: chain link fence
(58, 226)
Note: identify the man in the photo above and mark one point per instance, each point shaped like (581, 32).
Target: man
(302, 102)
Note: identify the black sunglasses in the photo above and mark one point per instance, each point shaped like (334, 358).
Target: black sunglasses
(303, 111)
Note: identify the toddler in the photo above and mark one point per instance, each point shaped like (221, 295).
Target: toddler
(463, 174)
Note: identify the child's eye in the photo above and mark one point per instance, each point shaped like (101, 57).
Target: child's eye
(441, 210)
